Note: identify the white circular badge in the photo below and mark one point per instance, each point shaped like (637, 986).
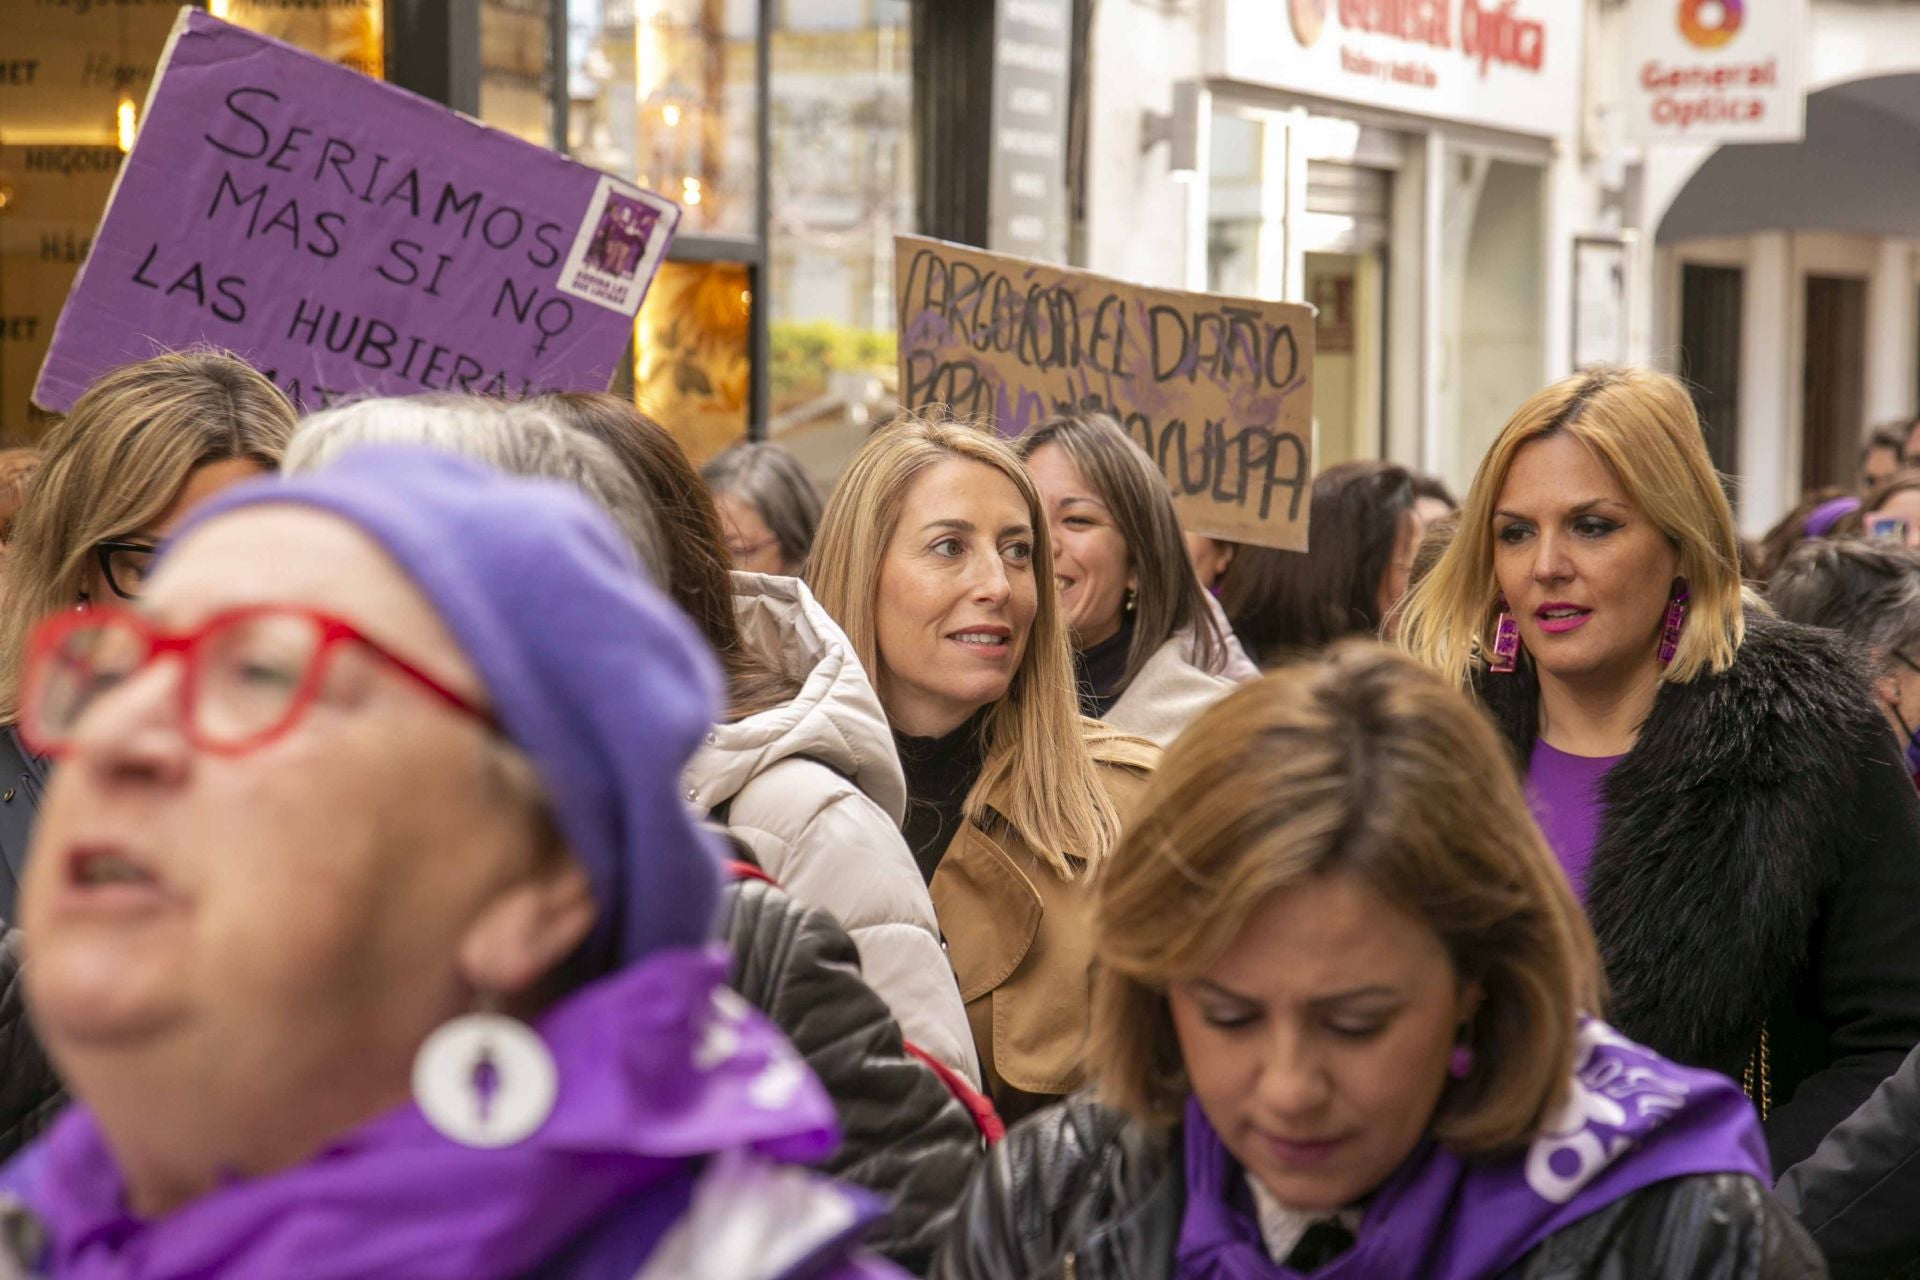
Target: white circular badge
(484, 1080)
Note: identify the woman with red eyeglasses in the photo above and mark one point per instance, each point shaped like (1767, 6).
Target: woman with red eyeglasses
(367, 923)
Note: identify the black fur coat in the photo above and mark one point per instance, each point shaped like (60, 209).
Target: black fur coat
(1758, 866)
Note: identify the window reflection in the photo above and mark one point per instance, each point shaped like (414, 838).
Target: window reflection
(691, 366)
(515, 80)
(349, 32)
(77, 74)
(842, 176)
(663, 92)
(1233, 205)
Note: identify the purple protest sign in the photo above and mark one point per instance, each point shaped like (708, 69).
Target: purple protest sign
(347, 237)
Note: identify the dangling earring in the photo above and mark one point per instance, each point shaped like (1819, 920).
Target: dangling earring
(1131, 596)
(1460, 1061)
(1506, 641)
(1676, 621)
(485, 1080)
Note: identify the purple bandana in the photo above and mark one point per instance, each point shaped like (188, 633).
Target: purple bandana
(1632, 1119)
(660, 1067)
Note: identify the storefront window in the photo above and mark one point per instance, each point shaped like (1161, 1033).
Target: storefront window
(1233, 205)
(663, 92)
(841, 171)
(1492, 266)
(72, 82)
(691, 364)
(516, 84)
(349, 32)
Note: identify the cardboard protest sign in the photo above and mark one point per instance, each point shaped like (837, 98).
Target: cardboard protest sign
(346, 237)
(1218, 391)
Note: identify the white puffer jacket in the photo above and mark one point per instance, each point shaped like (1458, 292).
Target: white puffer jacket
(814, 789)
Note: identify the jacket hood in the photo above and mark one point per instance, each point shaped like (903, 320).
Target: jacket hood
(835, 719)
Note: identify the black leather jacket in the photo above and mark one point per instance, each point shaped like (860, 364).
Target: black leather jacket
(1858, 1191)
(1079, 1193)
(30, 1094)
(902, 1133)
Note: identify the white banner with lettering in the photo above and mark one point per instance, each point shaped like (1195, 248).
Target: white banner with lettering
(1505, 64)
(1702, 71)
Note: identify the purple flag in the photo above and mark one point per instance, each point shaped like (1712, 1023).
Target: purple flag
(347, 237)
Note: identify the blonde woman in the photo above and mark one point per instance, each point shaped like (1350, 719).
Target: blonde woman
(933, 557)
(142, 447)
(1340, 1028)
(1718, 785)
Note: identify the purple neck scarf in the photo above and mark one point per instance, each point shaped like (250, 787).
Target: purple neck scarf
(660, 1066)
(1631, 1120)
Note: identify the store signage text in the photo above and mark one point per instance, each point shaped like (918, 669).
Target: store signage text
(1706, 71)
(1217, 391)
(1491, 35)
(1685, 97)
(1502, 64)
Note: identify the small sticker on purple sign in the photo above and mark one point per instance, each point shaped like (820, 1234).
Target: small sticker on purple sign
(619, 246)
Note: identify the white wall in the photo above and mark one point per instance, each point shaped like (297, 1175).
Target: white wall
(1137, 215)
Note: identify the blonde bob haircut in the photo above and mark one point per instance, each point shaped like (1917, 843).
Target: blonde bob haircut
(1643, 428)
(1036, 745)
(1363, 763)
(115, 463)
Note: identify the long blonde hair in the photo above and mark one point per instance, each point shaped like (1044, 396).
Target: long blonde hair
(1358, 762)
(1643, 428)
(1037, 760)
(116, 462)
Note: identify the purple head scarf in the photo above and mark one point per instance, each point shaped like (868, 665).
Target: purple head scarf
(1631, 1119)
(1821, 519)
(594, 674)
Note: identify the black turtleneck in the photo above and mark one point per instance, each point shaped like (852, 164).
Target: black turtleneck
(940, 772)
(1102, 670)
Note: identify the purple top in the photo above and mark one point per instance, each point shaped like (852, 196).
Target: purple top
(682, 1127)
(1564, 793)
(1632, 1119)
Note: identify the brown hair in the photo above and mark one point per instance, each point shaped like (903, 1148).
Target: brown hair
(699, 570)
(1778, 542)
(1279, 601)
(1035, 741)
(1433, 544)
(16, 469)
(116, 462)
(1357, 762)
(1169, 596)
(1426, 486)
(1888, 435)
(1642, 426)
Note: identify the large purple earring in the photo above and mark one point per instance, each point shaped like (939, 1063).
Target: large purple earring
(1675, 623)
(1506, 641)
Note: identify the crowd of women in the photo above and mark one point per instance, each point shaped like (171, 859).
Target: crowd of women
(450, 838)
